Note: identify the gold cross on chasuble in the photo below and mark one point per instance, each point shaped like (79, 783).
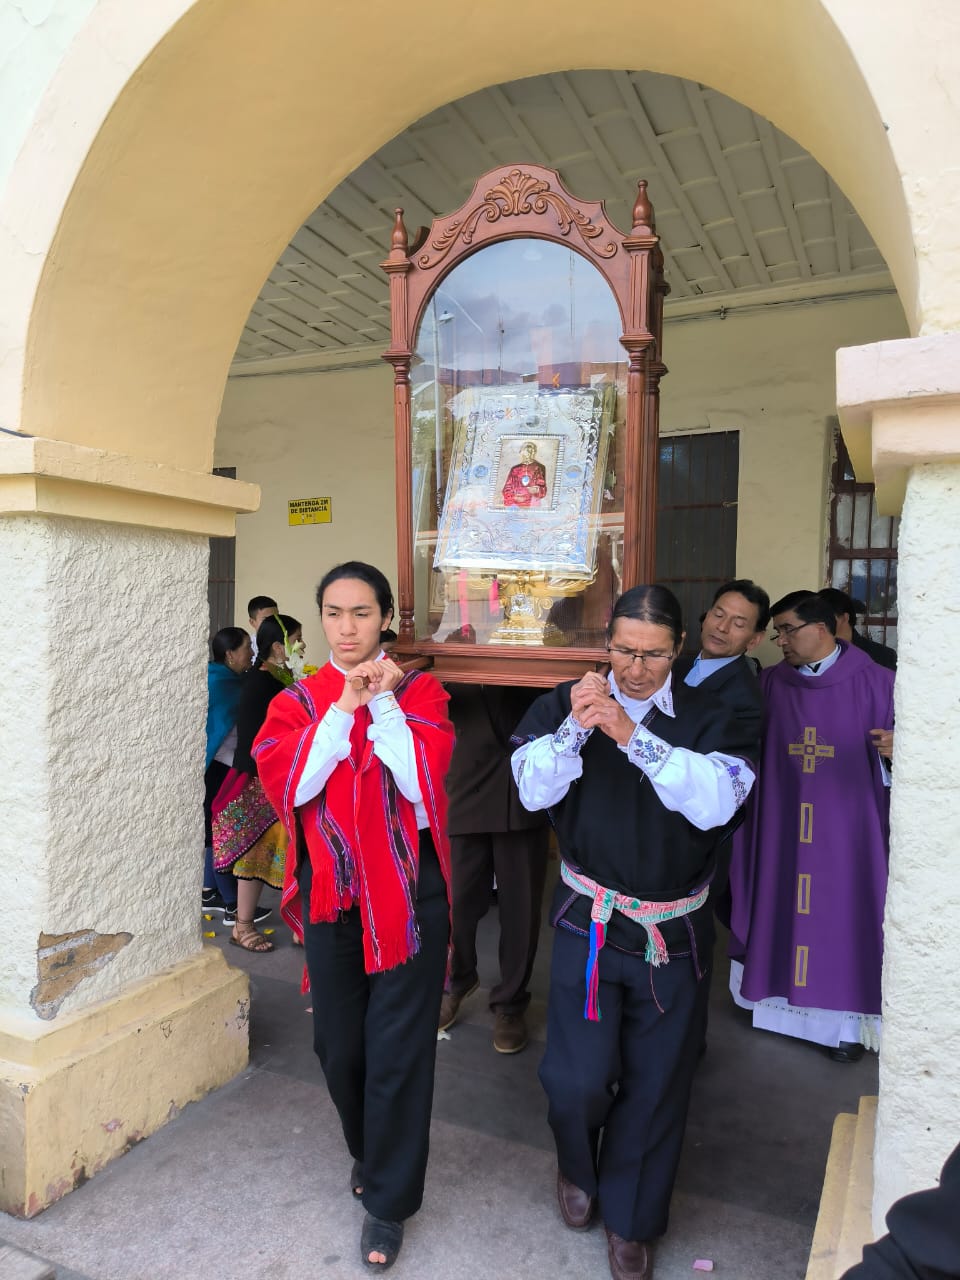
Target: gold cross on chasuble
(811, 750)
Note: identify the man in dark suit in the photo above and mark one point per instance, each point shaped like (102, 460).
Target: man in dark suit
(730, 630)
(847, 610)
(492, 834)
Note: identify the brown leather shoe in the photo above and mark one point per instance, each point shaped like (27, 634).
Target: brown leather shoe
(450, 1006)
(576, 1207)
(509, 1032)
(629, 1259)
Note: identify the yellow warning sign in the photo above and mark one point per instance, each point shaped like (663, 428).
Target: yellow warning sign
(309, 511)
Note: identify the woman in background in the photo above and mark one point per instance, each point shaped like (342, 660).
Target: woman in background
(248, 840)
(232, 656)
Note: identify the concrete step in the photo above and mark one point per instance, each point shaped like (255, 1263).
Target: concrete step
(15, 1265)
(826, 1235)
(844, 1223)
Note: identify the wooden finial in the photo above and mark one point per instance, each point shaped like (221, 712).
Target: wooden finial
(398, 239)
(643, 219)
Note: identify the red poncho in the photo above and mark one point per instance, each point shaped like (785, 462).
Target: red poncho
(360, 831)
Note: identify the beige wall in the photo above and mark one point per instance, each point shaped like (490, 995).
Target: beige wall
(303, 436)
(767, 373)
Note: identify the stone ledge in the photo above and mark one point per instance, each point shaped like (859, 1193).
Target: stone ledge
(843, 1223)
(15, 1265)
(830, 1216)
(73, 1097)
(54, 477)
(899, 407)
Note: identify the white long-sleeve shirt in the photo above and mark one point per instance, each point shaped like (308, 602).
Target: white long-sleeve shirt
(706, 789)
(392, 744)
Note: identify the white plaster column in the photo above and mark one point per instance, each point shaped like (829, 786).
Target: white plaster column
(907, 396)
(112, 1013)
(100, 734)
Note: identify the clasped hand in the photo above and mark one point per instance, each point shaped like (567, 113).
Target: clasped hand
(366, 680)
(594, 707)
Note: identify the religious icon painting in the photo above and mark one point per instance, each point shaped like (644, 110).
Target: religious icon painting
(526, 479)
(526, 472)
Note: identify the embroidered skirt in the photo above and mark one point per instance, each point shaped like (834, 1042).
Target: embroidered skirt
(247, 837)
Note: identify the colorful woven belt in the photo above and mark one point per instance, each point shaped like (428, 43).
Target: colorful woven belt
(648, 914)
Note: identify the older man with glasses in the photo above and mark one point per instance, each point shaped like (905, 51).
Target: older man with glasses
(640, 775)
(816, 839)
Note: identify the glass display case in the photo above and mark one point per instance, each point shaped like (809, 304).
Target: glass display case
(526, 347)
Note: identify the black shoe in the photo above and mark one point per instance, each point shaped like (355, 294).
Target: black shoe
(259, 915)
(378, 1235)
(847, 1051)
(210, 901)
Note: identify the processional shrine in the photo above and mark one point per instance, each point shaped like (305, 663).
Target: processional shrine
(526, 337)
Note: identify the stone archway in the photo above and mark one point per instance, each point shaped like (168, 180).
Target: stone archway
(242, 117)
(164, 169)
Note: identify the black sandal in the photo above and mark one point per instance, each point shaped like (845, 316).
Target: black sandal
(380, 1236)
(356, 1180)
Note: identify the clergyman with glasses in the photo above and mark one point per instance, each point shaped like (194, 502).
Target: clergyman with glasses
(816, 839)
(640, 773)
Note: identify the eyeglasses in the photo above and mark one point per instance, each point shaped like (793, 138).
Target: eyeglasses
(780, 632)
(647, 659)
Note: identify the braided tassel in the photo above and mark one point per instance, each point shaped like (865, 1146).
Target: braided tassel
(656, 952)
(598, 936)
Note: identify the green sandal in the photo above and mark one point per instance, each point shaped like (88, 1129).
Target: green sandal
(380, 1236)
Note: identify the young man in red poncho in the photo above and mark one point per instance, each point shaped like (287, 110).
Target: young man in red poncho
(353, 760)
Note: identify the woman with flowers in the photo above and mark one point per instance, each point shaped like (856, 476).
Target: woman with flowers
(232, 656)
(248, 840)
(354, 760)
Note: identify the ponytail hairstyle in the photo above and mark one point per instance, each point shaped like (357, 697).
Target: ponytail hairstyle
(655, 604)
(275, 628)
(225, 641)
(363, 573)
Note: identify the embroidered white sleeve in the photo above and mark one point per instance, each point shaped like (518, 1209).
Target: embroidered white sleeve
(706, 789)
(545, 768)
(570, 737)
(393, 744)
(647, 751)
(331, 744)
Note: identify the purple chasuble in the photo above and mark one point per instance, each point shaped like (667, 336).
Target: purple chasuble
(813, 854)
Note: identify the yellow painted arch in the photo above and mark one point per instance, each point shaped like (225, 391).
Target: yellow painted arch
(247, 113)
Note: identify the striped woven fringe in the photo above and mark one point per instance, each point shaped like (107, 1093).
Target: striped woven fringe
(646, 913)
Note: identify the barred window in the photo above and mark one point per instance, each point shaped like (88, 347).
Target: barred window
(863, 549)
(698, 482)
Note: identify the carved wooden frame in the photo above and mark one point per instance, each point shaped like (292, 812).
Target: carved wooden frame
(509, 203)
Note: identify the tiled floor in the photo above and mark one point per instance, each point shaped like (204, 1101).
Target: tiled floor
(251, 1182)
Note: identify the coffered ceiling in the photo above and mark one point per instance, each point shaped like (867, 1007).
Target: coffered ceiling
(746, 216)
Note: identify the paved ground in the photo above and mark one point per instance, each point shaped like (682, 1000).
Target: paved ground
(251, 1182)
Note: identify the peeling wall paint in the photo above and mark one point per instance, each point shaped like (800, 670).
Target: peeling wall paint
(64, 960)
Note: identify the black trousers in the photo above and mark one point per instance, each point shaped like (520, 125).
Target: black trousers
(619, 1089)
(519, 861)
(376, 1038)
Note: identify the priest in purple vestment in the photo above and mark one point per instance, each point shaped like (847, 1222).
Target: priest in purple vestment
(814, 848)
